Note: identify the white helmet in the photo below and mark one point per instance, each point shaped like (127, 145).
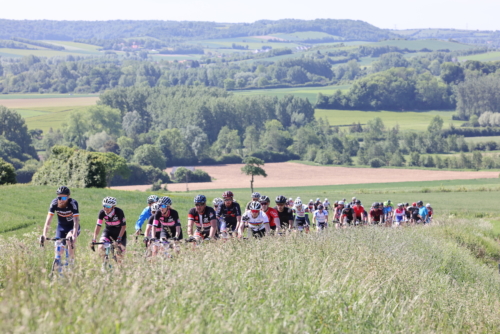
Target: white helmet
(317, 199)
(298, 202)
(109, 201)
(428, 205)
(217, 201)
(340, 203)
(155, 207)
(254, 206)
(326, 199)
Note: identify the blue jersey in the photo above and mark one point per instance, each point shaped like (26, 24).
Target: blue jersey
(387, 209)
(145, 214)
(423, 212)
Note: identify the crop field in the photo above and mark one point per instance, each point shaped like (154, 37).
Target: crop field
(437, 278)
(41, 96)
(407, 120)
(489, 56)
(310, 93)
(48, 117)
(429, 44)
(482, 139)
(296, 36)
(253, 43)
(72, 46)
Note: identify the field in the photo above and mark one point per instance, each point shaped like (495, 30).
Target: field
(430, 44)
(489, 56)
(75, 49)
(310, 93)
(408, 120)
(482, 139)
(439, 278)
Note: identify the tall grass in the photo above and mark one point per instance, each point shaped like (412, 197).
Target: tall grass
(374, 279)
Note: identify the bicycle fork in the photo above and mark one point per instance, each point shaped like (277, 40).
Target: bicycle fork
(58, 259)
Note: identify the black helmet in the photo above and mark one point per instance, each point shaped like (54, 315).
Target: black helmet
(420, 203)
(358, 201)
(264, 199)
(62, 190)
(200, 199)
(280, 199)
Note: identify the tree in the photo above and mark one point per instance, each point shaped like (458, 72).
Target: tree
(133, 124)
(114, 165)
(251, 141)
(14, 129)
(436, 125)
(7, 173)
(149, 155)
(252, 167)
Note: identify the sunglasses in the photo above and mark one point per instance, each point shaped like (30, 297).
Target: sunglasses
(63, 198)
(228, 199)
(255, 211)
(263, 203)
(199, 204)
(280, 204)
(163, 206)
(107, 206)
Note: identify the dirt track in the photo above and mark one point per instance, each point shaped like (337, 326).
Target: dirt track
(49, 102)
(289, 174)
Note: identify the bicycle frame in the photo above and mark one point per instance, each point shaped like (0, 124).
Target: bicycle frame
(59, 245)
(109, 249)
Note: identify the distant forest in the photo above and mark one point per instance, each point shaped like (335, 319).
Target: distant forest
(174, 31)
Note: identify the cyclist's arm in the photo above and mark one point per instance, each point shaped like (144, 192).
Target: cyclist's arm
(213, 228)
(145, 214)
(177, 231)
(190, 227)
(76, 226)
(48, 220)
(97, 229)
(122, 231)
(266, 226)
(149, 229)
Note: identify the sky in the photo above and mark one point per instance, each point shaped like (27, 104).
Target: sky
(387, 14)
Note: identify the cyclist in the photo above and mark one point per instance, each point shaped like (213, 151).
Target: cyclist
(430, 211)
(151, 231)
(423, 213)
(414, 213)
(326, 204)
(310, 209)
(68, 218)
(376, 214)
(387, 213)
(399, 214)
(216, 202)
(145, 214)
(290, 203)
(168, 219)
(203, 217)
(258, 223)
(337, 213)
(407, 213)
(285, 214)
(317, 203)
(271, 213)
(301, 221)
(320, 218)
(347, 215)
(359, 212)
(229, 214)
(255, 198)
(353, 201)
(115, 225)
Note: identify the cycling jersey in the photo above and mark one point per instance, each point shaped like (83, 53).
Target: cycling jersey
(285, 216)
(414, 212)
(116, 218)
(229, 214)
(300, 211)
(156, 230)
(423, 212)
(202, 221)
(257, 224)
(359, 211)
(290, 203)
(399, 214)
(376, 214)
(326, 204)
(64, 215)
(348, 213)
(321, 216)
(430, 212)
(387, 209)
(271, 214)
(144, 216)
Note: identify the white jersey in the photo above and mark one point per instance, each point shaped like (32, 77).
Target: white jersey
(257, 224)
(300, 211)
(326, 204)
(321, 215)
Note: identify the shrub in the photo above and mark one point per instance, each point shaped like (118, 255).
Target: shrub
(196, 176)
(141, 175)
(229, 159)
(7, 172)
(376, 163)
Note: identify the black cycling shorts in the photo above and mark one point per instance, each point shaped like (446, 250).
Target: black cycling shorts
(63, 230)
(168, 232)
(258, 233)
(113, 233)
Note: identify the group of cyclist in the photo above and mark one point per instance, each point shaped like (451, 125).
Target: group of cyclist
(226, 219)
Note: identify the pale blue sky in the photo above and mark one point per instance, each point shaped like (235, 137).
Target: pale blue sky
(460, 14)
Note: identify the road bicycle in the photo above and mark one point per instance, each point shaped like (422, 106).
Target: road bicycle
(59, 244)
(109, 252)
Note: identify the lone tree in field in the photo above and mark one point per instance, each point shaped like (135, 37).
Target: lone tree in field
(252, 167)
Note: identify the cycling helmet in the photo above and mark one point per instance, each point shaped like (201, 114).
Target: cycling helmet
(340, 203)
(280, 199)
(290, 199)
(336, 202)
(217, 201)
(353, 199)
(420, 203)
(376, 205)
(386, 203)
(165, 200)
(326, 200)
(245, 217)
(407, 204)
(109, 201)
(62, 190)
(227, 194)
(200, 199)
(400, 204)
(152, 199)
(414, 204)
(297, 202)
(320, 207)
(256, 195)
(264, 199)
(254, 206)
(389, 201)
(311, 201)
(317, 199)
(348, 206)
(428, 205)
(155, 207)
(358, 201)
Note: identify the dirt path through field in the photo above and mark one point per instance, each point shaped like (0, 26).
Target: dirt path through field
(50, 102)
(288, 174)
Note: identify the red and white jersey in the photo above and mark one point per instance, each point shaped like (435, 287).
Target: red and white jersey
(271, 214)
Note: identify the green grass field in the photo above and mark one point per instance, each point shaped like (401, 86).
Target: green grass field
(310, 93)
(297, 36)
(408, 120)
(482, 139)
(438, 278)
(431, 44)
(47, 117)
(489, 56)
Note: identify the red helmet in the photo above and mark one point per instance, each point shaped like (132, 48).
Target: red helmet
(227, 194)
(414, 204)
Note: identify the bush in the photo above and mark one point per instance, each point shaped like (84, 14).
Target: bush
(25, 174)
(270, 156)
(141, 175)
(197, 176)
(229, 159)
(7, 172)
(208, 161)
(376, 163)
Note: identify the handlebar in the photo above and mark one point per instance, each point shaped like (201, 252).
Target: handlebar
(42, 240)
